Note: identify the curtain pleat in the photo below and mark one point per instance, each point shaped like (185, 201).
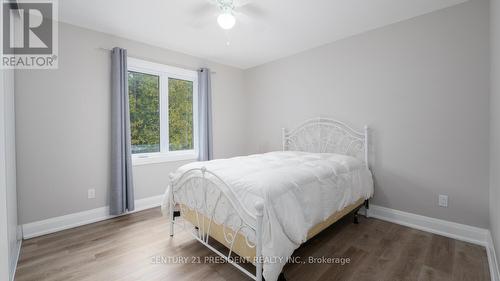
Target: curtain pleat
(205, 115)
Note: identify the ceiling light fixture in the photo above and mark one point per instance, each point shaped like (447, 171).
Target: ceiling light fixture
(226, 20)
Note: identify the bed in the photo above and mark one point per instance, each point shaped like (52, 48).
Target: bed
(262, 207)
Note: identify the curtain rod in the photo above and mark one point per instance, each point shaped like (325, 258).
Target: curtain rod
(153, 60)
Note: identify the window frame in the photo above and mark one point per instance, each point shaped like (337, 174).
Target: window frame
(164, 72)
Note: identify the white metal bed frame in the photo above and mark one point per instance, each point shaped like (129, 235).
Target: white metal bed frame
(321, 135)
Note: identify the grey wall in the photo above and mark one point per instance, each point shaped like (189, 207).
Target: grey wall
(422, 86)
(63, 124)
(495, 123)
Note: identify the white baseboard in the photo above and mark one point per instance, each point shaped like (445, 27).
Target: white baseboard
(39, 228)
(492, 259)
(453, 230)
(467, 233)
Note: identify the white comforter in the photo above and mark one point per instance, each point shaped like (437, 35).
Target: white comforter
(299, 190)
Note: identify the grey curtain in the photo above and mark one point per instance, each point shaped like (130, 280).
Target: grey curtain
(205, 115)
(122, 189)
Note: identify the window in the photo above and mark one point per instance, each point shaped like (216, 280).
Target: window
(163, 100)
(144, 99)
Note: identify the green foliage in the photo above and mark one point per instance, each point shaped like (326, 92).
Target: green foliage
(144, 99)
(180, 114)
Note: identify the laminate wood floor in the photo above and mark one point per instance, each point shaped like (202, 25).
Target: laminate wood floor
(137, 247)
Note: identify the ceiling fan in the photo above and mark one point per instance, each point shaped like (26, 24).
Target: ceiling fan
(228, 11)
(226, 19)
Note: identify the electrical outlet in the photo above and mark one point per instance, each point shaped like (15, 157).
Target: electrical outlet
(443, 200)
(91, 193)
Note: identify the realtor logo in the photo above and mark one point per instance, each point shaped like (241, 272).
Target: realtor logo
(29, 34)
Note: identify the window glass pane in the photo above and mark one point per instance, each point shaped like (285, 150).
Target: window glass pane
(144, 95)
(180, 114)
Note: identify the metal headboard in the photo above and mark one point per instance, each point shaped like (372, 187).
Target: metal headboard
(324, 135)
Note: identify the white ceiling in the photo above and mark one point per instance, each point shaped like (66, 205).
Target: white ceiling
(269, 29)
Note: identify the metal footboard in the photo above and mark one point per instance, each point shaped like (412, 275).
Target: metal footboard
(213, 201)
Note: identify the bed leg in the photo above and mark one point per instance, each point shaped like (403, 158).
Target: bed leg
(259, 207)
(172, 212)
(356, 215)
(172, 222)
(367, 208)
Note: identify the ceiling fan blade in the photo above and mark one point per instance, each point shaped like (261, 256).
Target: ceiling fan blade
(250, 22)
(241, 3)
(202, 9)
(253, 10)
(203, 21)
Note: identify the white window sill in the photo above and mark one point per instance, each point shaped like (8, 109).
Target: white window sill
(157, 158)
